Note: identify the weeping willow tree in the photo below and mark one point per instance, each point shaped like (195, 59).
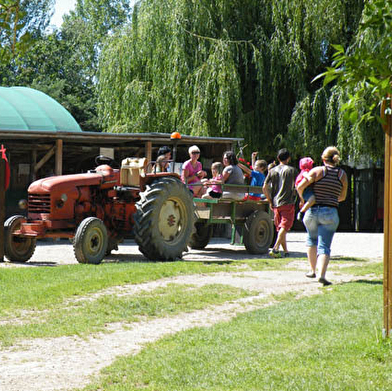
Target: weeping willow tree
(362, 67)
(224, 68)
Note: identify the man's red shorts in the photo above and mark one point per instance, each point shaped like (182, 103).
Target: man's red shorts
(284, 217)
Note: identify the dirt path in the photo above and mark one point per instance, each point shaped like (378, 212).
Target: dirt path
(68, 362)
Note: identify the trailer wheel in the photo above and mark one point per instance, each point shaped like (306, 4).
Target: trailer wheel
(164, 219)
(258, 232)
(91, 241)
(17, 248)
(202, 236)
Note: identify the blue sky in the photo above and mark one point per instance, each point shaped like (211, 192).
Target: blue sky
(62, 7)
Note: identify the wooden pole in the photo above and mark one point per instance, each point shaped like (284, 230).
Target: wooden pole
(148, 150)
(2, 207)
(59, 158)
(387, 284)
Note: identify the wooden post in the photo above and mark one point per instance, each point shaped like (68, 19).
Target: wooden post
(2, 207)
(387, 226)
(148, 149)
(59, 157)
(33, 175)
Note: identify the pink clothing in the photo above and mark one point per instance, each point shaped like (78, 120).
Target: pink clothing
(300, 177)
(191, 171)
(217, 188)
(305, 165)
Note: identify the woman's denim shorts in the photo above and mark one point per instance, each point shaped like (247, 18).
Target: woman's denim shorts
(321, 223)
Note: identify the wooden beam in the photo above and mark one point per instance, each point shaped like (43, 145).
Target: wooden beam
(387, 225)
(2, 207)
(47, 156)
(148, 148)
(33, 175)
(59, 157)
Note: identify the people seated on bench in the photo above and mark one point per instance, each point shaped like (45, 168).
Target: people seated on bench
(161, 165)
(164, 151)
(257, 175)
(192, 172)
(215, 188)
(232, 174)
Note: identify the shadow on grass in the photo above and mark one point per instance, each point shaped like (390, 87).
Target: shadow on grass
(347, 259)
(368, 282)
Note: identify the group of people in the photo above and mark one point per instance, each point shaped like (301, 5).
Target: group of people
(320, 189)
(228, 172)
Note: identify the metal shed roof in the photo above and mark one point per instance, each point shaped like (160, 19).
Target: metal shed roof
(23, 108)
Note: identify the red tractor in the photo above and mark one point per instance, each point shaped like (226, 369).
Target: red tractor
(98, 209)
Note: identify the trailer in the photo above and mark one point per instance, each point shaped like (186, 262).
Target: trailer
(251, 221)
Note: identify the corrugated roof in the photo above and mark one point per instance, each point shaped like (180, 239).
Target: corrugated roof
(23, 108)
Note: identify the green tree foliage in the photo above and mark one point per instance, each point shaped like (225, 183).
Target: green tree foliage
(363, 71)
(50, 66)
(20, 22)
(63, 63)
(226, 68)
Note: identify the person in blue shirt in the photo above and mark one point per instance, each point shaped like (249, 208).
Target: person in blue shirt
(257, 175)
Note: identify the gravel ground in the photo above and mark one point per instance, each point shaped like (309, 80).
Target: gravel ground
(345, 244)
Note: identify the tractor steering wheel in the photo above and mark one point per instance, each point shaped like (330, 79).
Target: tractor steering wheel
(102, 159)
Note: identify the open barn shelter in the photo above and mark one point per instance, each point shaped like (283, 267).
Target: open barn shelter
(43, 139)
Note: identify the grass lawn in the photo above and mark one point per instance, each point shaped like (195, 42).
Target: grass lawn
(44, 287)
(331, 341)
(91, 316)
(327, 342)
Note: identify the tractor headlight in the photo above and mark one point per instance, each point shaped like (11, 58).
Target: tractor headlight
(22, 204)
(63, 198)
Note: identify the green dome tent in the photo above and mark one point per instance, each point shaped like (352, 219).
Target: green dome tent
(23, 108)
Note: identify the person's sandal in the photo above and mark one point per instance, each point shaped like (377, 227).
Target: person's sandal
(324, 281)
(310, 274)
(275, 254)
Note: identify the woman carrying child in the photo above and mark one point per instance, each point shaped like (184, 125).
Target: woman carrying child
(322, 219)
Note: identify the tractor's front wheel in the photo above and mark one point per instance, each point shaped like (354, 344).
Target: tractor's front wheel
(91, 241)
(17, 248)
(164, 220)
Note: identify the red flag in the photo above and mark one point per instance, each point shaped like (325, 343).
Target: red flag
(7, 168)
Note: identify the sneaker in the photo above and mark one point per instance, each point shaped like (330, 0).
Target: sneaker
(310, 274)
(324, 281)
(275, 254)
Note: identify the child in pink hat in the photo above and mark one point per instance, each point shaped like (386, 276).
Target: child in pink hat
(305, 165)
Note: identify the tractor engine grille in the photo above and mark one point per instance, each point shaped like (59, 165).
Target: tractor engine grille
(39, 203)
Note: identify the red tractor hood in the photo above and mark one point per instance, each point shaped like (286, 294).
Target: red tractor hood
(104, 176)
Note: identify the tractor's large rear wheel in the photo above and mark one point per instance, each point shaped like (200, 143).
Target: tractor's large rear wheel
(91, 241)
(258, 232)
(17, 248)
(164, 220)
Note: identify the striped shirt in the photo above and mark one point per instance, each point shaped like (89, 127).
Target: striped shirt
(327, 190)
